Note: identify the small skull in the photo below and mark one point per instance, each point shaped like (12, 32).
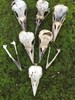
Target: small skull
(19, 7)
(27, 39)
(59, 15)
(35, 73)
(45, 37)
(42, 6)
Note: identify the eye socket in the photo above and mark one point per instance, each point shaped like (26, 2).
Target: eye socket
(13, 3)
(31, 51)
(25, 12)
(33, 42)
(55, 26)
(45, 13)
(16, 14)
(53, 16)
(41, 49)
(40, 20)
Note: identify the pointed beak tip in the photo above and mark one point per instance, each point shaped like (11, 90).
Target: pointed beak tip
(34, 93)
(20, 69)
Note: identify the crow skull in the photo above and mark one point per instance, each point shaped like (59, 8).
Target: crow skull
(59, 15)
(35, 73)
(27, 39)
(19, 7)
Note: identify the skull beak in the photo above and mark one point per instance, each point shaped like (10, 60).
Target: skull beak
(22, 22)
(41, 53)
(35, 73)
(56, 28)
(58, 18)
(19, 8)
(31, 54)
(27, 39)
(34, 87)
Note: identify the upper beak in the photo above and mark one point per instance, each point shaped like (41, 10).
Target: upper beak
(41, 53)
(34, 87)
(22, 22)
(23, 25)
(55, 29)
(31, 54)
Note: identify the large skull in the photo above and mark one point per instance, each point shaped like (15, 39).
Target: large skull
(42, 6)
(59, 15)
(45, 37)
(35, 73)
(20, 9)
(27, 39)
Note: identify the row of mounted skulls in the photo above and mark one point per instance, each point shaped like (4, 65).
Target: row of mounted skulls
(19, 8)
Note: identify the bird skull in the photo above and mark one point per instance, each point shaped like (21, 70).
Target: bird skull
(59, 16)
(35, 73)
(42, 6)
(45, 37)
(27, 39)
(20, 9)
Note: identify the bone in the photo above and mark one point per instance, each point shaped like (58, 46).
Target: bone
(14, 44)
(5, 48)
(35, 73)
(27, 38)
(42, 7)
(48, 55)
(59, 16)
(45, 37)
(49, 64)
(19, 8)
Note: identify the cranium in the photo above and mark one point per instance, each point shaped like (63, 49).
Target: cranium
(45, 37)
(43, 10)
(35, 73)
(27, 39)
(59, 15)
(20, 9)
